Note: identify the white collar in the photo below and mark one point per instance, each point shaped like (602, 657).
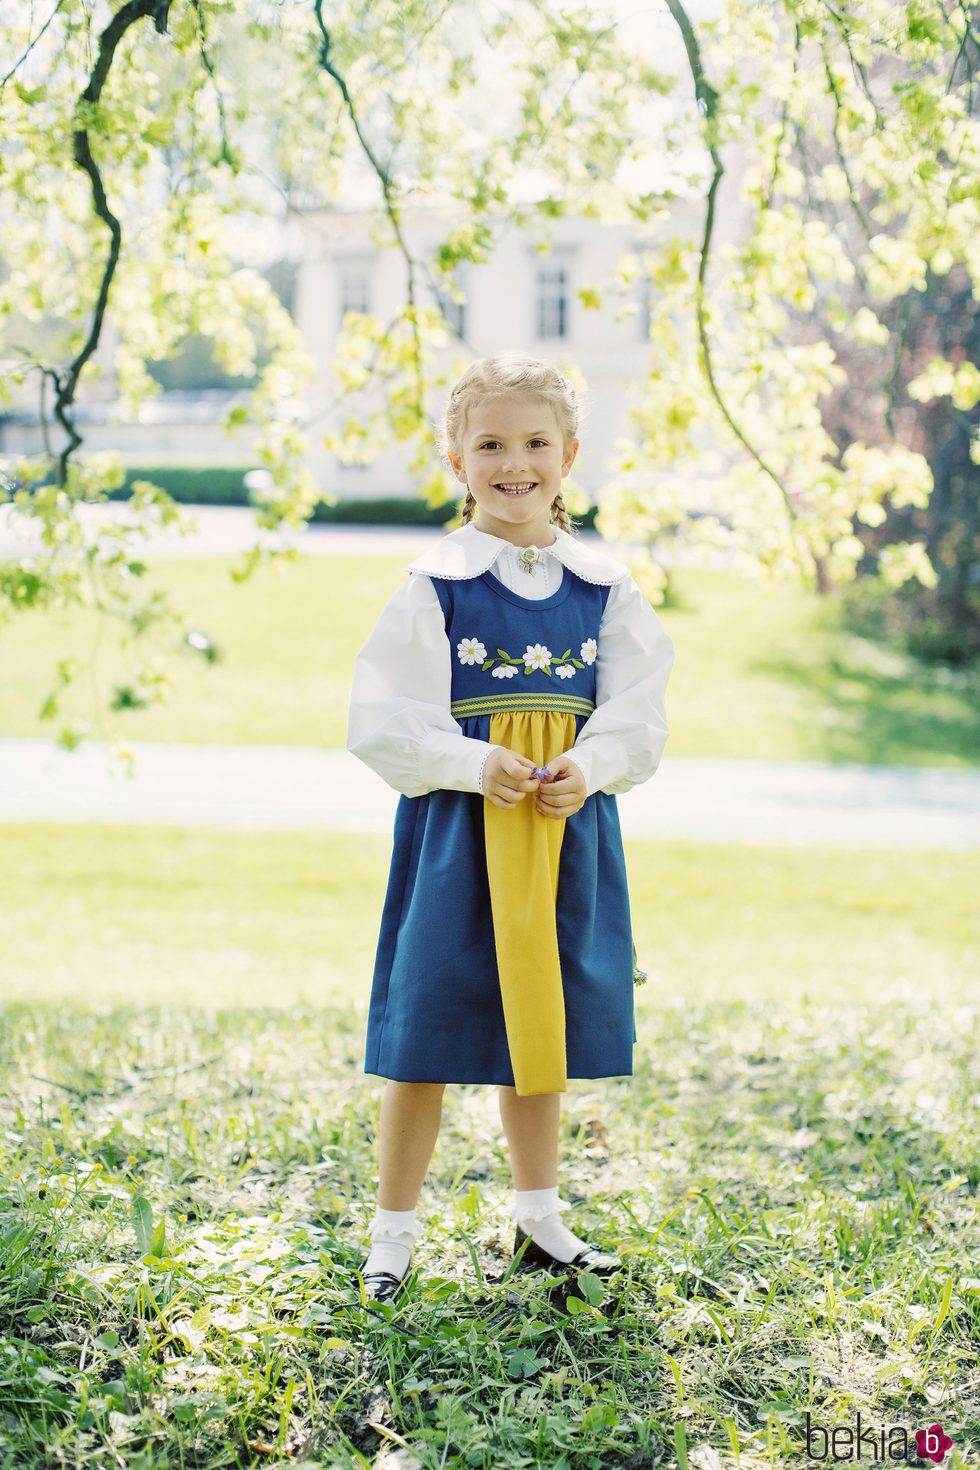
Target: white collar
(469, 552)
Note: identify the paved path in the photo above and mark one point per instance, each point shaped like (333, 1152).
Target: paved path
(242, 786)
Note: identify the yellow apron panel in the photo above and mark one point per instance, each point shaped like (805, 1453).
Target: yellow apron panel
(523, 852)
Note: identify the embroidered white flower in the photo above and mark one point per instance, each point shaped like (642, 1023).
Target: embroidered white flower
(565, 671)
(505, 671)
(536, 656)
(471, 651)
(589, 650)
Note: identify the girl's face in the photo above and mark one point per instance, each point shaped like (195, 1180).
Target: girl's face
(512, 458)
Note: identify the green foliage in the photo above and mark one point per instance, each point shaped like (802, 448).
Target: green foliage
(858, 146)
(835, 110)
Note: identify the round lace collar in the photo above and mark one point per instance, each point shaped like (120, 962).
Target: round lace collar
(469, 553)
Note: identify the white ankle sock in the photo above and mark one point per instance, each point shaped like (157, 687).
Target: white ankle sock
(538, 1213)
(392, 1234)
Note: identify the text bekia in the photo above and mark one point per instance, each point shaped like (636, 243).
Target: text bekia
(846, 1442)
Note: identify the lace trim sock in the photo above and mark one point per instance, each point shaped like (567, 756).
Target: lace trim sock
(393, 1234)
(538, 1213)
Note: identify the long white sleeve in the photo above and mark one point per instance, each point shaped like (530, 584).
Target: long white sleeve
(399, 722)
(620, 745)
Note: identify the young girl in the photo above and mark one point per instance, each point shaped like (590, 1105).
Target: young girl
(511, 687)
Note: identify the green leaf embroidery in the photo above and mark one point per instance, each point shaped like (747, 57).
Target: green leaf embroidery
(578, 663)
(489, 664)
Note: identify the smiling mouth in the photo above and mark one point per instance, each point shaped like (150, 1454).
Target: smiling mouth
(521, 489)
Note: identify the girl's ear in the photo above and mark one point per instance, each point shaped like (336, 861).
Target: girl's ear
(457, 465)
(568, 458)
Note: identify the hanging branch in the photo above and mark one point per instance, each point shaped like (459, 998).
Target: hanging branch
(391, 208)
(891, 382)
(67, 382)
(707, 99)
(20, 61)
(857, 67)
(841, 155)
(777, 150)
(226, 153)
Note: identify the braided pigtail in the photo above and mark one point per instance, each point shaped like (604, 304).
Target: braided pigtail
(559, 515)
(469, 508)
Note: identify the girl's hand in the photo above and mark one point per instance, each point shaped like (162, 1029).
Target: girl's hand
(507, 778)
(566, 793)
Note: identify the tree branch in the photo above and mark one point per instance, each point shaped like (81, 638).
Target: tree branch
(856, 66)
(707, 99)
(841, 156)
(391, 209)
(777, 151)
(67, 382)
(20, 62)
(206, 62)
(890, 384)
(968, 36)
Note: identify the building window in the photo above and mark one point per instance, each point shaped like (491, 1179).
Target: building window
(553, 298)
(354, 287)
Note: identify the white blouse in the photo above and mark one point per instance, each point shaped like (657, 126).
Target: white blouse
(400, 724)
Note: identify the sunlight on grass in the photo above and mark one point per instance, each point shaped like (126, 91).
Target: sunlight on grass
(224, 918)
(761, 671)
(183, 1202)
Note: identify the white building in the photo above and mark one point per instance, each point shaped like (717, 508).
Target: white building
(525, 297)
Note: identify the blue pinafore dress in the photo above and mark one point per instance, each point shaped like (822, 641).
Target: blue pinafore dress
(436, 1011)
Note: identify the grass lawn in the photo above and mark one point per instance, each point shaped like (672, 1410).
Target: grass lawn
(187, 1163)
(200, 916)
(761, 671)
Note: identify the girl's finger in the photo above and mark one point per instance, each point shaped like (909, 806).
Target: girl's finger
(506, 799)
(558, 808)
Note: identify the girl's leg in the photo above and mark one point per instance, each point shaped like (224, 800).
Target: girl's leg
(531, 1126)
(410, 1116)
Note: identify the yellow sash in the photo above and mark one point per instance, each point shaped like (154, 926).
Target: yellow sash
(523, 852)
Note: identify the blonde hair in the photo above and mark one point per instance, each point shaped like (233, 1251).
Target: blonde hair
(492, 377)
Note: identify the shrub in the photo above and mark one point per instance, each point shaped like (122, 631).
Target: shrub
(225, 485)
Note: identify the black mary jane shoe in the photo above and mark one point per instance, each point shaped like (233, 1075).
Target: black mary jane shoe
(534, 1257)
(380, 1286)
